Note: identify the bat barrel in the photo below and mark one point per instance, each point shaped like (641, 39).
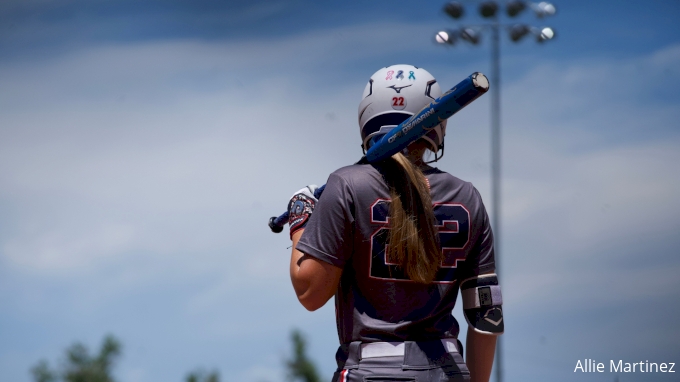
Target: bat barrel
(430, 116)
(414, 127)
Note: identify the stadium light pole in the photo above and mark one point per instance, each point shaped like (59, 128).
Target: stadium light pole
(488, 9)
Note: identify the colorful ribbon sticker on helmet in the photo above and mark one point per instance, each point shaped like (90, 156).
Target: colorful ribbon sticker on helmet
(411, 75)
(389, 75)
(400, 75)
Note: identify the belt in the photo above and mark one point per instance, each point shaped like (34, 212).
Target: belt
(393, 349)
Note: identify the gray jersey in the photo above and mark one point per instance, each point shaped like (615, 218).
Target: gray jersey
(375, 300)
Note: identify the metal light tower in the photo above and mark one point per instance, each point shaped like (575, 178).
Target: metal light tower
(472, 34)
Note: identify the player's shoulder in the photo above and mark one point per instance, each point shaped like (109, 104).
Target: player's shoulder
(442, 182)
(355, 172)
(440, 176)
(357, 176)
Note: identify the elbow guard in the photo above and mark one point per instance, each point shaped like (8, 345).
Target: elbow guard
(482, 302)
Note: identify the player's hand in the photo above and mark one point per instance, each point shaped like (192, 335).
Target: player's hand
(300, 208)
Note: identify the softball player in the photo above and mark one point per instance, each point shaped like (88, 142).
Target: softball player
(394, 242)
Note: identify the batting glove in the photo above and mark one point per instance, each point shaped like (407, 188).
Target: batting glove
(300, 208)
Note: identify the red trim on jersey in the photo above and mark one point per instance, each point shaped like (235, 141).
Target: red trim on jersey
(370, 255)
(442, 228)
(343, 375)
(451, 252)
(387, 219)
(387, 251)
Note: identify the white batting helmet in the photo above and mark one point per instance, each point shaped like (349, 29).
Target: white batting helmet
(391, 96)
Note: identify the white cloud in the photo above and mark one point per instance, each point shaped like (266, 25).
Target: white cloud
(165, 173)
(590, 186)
(191, 175)
(125, 168)
(59, 250)
(154, 72)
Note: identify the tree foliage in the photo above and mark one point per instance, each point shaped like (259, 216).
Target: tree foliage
(42, 373)
(203, 376)
(80, 366)
(300, 367)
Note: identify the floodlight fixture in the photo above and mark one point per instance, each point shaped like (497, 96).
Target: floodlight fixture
(518, 31)
(470, 35)
(515, 7)
(545, 34)
(488, 8)
(543, 9)
(454, 9)
(445, 37)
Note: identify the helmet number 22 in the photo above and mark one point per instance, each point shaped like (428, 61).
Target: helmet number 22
(398, 103)
(453, 223)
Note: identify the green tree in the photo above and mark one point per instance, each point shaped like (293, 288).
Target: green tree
(300, 367)
(203, 376)
(80, 366)
(42, 373)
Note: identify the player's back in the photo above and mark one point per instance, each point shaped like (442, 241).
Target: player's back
(375, 300)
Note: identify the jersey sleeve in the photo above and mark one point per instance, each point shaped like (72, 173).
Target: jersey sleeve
(481, 258)
(329, 233)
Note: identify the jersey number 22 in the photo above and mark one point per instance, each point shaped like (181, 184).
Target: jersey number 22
(453, 223)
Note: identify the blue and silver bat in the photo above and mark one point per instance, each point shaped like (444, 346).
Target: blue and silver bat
(414, 127)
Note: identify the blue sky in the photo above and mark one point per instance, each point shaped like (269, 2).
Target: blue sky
(144, 144)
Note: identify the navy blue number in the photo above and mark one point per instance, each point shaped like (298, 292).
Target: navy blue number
(453, 223)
